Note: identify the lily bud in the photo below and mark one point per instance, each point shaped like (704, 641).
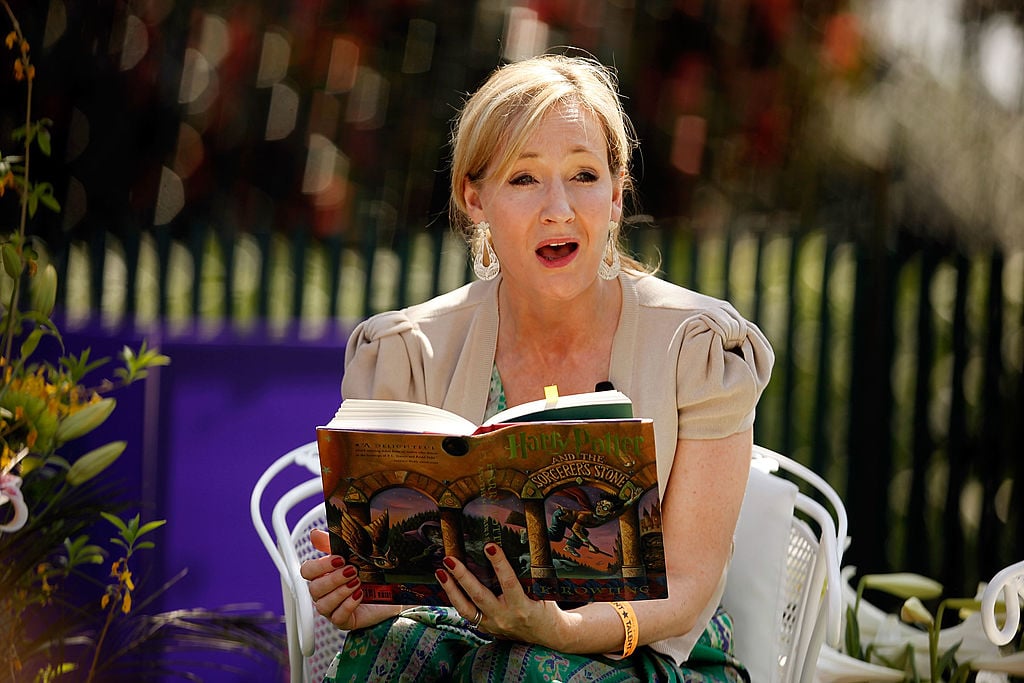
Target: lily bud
(85, 420)
(12, 260)
(904, 585)
(43, 290)
(914, 612)
(94, 462)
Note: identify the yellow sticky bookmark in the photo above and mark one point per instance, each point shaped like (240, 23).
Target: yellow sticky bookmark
(551, 395)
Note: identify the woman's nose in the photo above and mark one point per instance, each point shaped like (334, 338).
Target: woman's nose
(557, 204)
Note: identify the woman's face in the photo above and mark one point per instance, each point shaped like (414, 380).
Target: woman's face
(549, 213)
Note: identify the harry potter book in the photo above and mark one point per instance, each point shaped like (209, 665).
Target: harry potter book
(573, 503)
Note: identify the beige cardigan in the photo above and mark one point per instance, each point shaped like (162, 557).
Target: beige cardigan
(688, 361)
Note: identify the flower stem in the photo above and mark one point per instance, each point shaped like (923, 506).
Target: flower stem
(99, 641)
(16, 289)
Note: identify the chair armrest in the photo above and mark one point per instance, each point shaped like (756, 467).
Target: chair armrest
(833, 595)
(290, 559)
(1008, 583)
(256, 498)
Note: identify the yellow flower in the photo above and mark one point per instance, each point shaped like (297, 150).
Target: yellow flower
(19, 70)
(6, 181)
(125, 578)
(126, 606)
(104, 601)
(11, 37)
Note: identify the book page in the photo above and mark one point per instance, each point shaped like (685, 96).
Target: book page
(398, 416)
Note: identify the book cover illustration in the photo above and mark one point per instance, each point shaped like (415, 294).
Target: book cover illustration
(573, 505)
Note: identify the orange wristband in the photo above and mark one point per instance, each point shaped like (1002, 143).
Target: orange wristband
(629, 623)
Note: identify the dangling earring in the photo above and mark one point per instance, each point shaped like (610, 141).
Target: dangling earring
(610, 264)
(484, 252)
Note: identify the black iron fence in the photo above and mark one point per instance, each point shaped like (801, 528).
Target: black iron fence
(898, 374)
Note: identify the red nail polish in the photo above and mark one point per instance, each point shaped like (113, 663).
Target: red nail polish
(337, 562)
(353, 583)
(449, 562)
(349, 571)
(358, 595)
(491, 549)
(441, 575)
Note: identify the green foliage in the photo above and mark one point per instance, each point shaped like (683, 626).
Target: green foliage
(53, 495)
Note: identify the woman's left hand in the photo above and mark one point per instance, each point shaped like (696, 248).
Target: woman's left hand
(512, 615)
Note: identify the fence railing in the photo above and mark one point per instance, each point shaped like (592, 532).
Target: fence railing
(898, 376)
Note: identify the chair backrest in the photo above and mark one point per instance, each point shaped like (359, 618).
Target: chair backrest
(783, 584)
(1008, 585)
(312, 639)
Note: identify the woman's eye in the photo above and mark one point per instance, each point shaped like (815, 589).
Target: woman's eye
(586, 177)
(522, 180)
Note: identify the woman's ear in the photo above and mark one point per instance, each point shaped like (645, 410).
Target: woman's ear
(471, 196)
(617, 191)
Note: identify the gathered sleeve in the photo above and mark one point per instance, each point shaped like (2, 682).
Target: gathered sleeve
(724, 364)
(384, 359)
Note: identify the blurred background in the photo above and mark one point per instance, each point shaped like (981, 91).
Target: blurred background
(242, 182)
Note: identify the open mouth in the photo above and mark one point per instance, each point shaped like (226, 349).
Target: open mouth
(557, 250)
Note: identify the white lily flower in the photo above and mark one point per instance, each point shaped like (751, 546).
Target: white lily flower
(10, 492)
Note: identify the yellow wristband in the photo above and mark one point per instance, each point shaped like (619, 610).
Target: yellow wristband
(629, 623)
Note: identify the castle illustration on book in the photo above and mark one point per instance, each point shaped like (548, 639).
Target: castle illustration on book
(573, 504)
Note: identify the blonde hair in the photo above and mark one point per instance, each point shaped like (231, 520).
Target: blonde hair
(507, 108)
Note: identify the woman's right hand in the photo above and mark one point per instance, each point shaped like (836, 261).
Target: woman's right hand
(336, 591)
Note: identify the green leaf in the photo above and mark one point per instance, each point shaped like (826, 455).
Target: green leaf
(79, 366)
(853, 647)
(948, 659)
(43, 139)
(149, 526)
(28, 346)
(44, 192)
(116, 521)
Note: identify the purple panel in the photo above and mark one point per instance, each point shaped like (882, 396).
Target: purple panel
(228, 411)
(201, 432)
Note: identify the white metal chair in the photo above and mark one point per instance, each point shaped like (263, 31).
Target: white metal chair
(1007, 585)
(783, 585)
(312, 639)
(781, 589)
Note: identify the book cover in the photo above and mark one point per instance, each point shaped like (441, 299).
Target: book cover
(573, 504)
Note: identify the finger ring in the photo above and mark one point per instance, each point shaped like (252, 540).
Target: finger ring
(476, 620)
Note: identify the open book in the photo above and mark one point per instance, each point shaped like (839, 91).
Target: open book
(573, 503)
(404, 416)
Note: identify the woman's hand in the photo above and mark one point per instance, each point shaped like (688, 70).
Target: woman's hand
(335, 589)
(513, 614)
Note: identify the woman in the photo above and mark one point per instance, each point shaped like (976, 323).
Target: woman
(539, 178)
